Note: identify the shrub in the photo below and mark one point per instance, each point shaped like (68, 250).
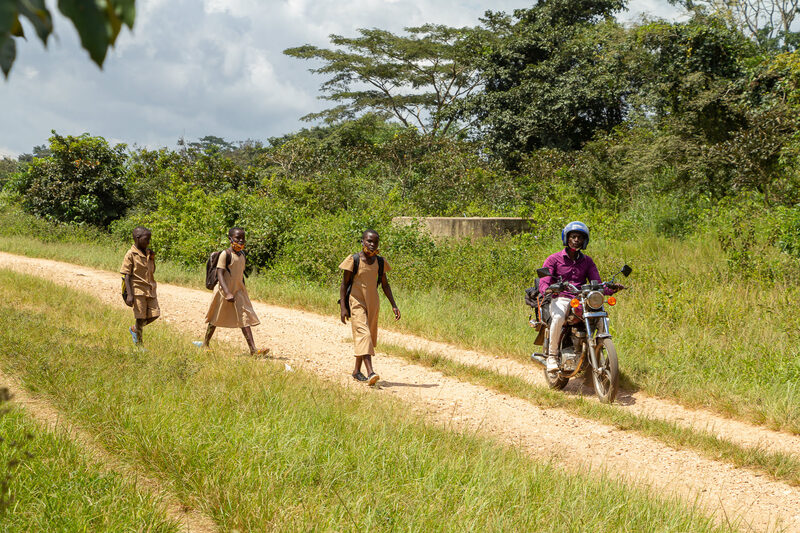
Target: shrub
(83, 181)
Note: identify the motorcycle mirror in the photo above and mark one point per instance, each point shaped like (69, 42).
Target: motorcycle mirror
(542, 272)
(626, 271)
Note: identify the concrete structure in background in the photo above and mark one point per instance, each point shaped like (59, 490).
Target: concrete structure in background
(468, 226)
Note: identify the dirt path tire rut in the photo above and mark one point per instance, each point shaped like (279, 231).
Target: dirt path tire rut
(321, 345)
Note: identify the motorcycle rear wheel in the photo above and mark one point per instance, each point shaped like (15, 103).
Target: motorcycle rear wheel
(606, 384)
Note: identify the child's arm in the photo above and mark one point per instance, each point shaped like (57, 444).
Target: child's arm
(223, 285)
(387, 290)
(126, 270)
(343, 314)
(128, 291)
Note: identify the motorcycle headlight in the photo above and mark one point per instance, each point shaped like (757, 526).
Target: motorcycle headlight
(595, 299)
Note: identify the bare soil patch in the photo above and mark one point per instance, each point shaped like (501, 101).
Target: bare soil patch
(322, 345)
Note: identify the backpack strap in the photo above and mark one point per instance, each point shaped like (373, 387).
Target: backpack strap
(380, 270)
(356, 261)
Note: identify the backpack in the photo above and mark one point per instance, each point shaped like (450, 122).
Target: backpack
(356, 261)
(211, 268)
(534, 299)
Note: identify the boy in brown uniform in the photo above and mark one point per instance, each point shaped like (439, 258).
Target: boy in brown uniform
(364, 302)
(138, 269)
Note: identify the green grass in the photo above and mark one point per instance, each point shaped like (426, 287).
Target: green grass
(780, 466)
(687, 329)
(48, 485)
(257, 448)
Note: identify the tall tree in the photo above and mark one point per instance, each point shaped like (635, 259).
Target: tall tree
(98, 23)
(555, 75)
(415, 78)
(768, 22)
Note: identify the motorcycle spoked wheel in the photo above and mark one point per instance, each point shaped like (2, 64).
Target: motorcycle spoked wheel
(554, 380)
(606, 384)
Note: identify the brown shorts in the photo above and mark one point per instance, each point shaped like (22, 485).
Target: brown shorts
(144, 307)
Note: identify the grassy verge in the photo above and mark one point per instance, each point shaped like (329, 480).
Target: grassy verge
(780, 466)
(681, 331)
(49, 486)
(258, 448)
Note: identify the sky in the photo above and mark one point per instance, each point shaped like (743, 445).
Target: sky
(192, 68)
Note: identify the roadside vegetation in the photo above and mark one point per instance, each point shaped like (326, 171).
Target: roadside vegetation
(49, 484)
(258, 448)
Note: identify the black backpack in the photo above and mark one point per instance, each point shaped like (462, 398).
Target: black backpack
(356, 261)
(211, 268)
(534, 299)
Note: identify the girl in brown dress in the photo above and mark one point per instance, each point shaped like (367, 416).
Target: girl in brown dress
(363, 301)
(230, 304)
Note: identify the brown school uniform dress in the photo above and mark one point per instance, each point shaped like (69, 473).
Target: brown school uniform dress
(142, 268)
(364, 304)
(238, 313)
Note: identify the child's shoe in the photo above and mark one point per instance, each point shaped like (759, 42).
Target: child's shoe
(358, 376)
(373, 379)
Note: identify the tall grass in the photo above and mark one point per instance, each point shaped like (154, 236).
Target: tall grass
(49, 485)
(261, 449)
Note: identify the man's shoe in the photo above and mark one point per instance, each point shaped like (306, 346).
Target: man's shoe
(552, 363)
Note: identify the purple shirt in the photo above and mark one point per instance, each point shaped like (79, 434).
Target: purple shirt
(581, 270)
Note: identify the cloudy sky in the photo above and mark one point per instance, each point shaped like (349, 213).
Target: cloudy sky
(205, 67)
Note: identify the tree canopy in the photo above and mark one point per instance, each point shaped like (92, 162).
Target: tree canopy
(415, 78)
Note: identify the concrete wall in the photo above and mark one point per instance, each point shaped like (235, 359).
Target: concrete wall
(468, 226)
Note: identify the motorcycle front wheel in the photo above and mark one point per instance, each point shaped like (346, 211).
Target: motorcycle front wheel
(555, 381)
(606, 382)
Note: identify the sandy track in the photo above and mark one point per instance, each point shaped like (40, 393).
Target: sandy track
(639, 403)
(321, 344)
(190, 520)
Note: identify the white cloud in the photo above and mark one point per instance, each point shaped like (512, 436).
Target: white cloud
(197, 68)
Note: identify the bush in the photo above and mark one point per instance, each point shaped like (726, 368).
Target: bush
(83, 181)
(188, 223)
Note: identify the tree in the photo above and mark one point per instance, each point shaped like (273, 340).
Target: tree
(768, 22)
(555, 75)
(83, 181)
(414, 78)
(98, 23)
(692, 74)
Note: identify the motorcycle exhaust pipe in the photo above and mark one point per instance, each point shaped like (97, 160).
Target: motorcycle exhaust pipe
(539, 358)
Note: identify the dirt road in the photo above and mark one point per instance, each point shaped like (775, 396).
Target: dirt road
(321, 345)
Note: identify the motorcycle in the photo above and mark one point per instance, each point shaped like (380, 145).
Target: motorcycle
(585, 342)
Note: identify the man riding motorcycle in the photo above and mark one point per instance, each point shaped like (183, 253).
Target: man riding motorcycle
(572, 265)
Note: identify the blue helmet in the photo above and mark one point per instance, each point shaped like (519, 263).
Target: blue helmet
(575, 226)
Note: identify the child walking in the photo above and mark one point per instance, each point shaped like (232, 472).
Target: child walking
(138, 269)
(362, 273)
(230, 305)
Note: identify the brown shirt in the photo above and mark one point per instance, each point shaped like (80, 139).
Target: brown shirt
(141, 268)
